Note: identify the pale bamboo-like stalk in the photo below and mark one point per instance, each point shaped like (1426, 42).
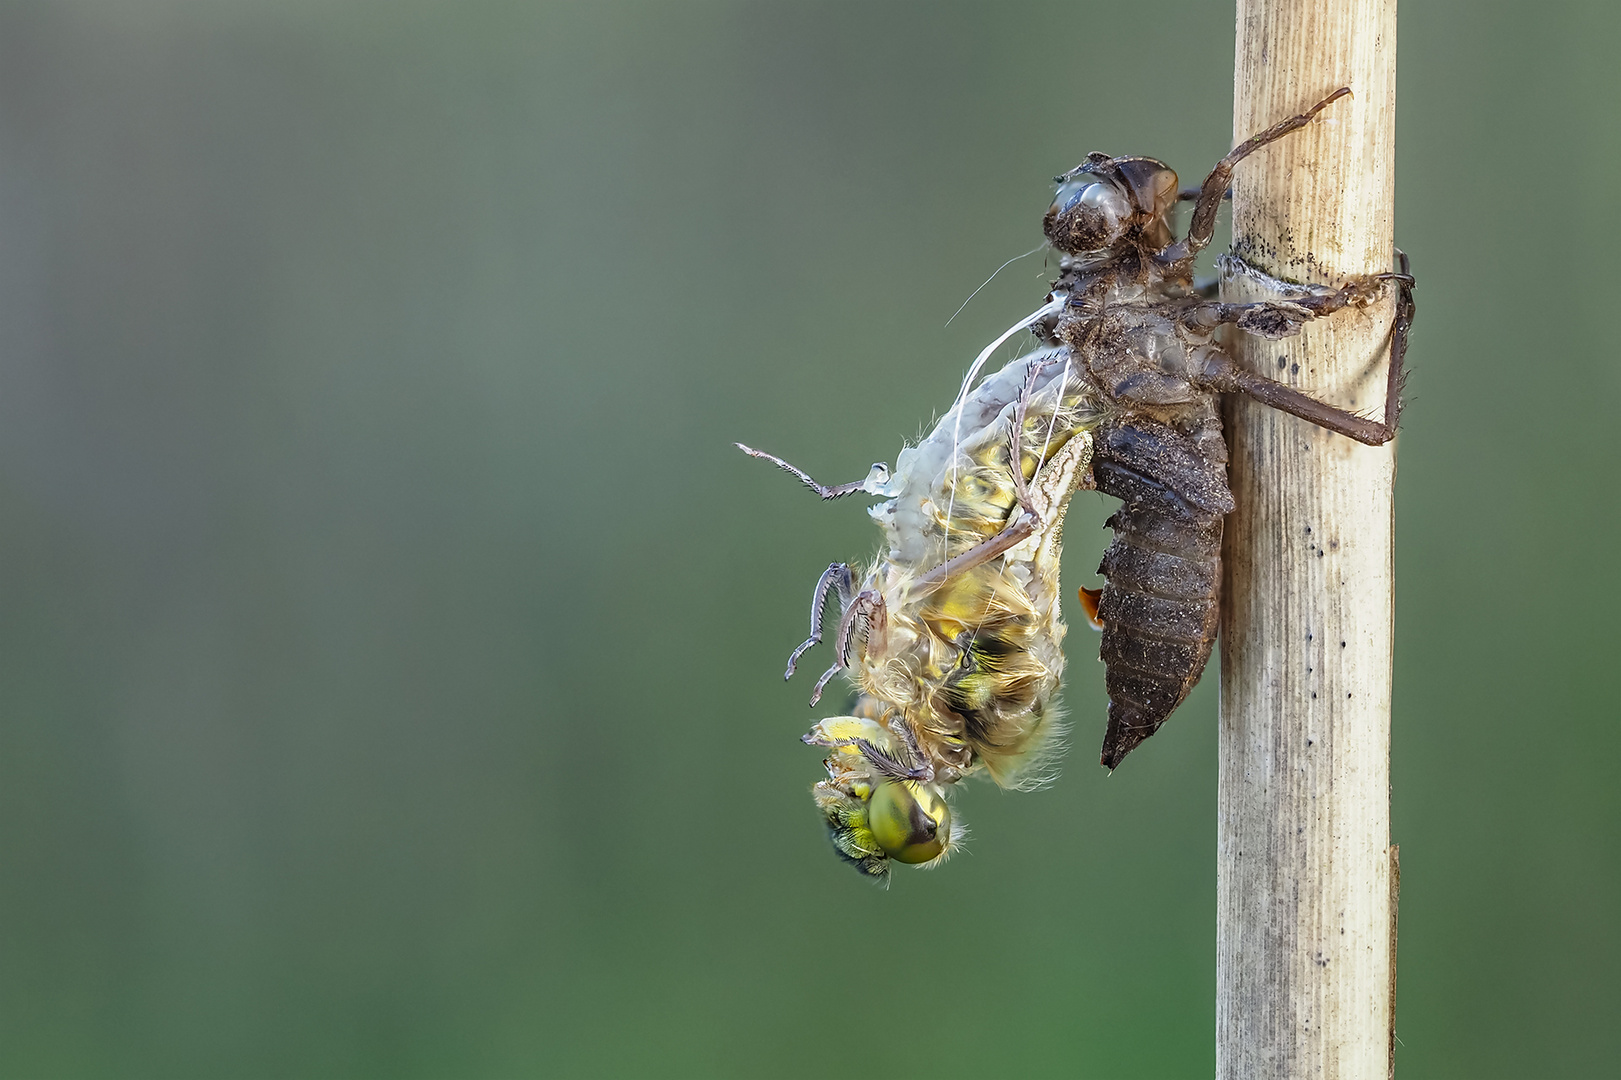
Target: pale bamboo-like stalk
(1305, 922)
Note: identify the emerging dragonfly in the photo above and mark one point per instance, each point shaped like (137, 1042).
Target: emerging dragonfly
(952, 637)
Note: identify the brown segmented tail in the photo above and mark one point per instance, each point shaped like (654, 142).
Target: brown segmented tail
(1163, 571)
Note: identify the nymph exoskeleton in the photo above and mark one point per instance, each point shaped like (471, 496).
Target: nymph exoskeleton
(1145, 340)
(953, 635)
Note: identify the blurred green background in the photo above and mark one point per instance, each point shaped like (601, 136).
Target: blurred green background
(390, 660)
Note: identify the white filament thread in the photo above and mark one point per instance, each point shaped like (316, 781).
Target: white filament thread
(1052, 307)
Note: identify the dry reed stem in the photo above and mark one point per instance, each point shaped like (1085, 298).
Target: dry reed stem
(1305, 971)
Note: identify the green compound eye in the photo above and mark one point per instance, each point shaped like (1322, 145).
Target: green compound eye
(912, 823)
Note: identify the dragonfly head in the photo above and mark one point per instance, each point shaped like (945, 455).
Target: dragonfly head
(873, 815)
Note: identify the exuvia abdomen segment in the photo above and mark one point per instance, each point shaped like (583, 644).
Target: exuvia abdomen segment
(1160, 603)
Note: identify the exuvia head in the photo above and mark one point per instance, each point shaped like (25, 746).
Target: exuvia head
(1104, 202)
